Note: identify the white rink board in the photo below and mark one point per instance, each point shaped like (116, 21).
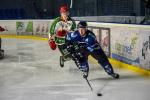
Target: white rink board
(128, 43)
(9, 26)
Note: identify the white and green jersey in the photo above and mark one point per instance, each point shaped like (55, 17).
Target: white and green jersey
(58, 23)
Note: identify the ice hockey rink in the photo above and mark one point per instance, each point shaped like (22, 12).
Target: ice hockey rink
(31, 71)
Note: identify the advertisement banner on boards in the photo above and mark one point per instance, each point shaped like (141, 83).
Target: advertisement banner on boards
(144, 47)
(41, 27)
(105, 40)
(8, 27)
(24, 27)
(125, 44)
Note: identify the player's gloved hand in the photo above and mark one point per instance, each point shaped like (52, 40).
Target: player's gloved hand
(52, 44)
(82, 44)
(70, 48)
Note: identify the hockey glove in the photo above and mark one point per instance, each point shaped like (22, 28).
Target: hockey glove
(70, 48)
(82, 44)
(52, 44)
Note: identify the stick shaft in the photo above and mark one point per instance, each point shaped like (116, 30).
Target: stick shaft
(89, 84)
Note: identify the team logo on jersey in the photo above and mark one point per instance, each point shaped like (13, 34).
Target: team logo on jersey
(65, 25)
(73, 35)
(87, 40)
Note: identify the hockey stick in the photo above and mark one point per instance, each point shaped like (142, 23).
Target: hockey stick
(85, 77)
(71, 3)
(74, 57)
(89, 84)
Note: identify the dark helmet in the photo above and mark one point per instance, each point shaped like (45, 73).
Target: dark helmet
(82, 24)
(64, 8)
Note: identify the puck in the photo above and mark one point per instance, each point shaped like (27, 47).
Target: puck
(99, 94)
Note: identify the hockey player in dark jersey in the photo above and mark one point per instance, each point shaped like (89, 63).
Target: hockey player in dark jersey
(86, 41)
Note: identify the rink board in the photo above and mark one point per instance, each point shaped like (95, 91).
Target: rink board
(126, 43)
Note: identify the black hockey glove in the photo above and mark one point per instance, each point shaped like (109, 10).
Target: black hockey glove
(82, 45)
(70, 48)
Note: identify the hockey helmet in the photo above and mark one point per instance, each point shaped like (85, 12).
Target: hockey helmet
(64, 9)
(82, 24)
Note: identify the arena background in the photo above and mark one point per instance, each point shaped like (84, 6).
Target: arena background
(99, 10)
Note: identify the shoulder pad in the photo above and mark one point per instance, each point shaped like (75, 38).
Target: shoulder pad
(91, 33)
